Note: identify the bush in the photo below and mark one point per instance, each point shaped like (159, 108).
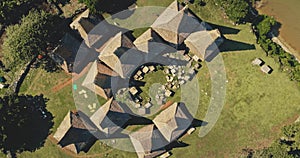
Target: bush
(236, 10)
(25, 40)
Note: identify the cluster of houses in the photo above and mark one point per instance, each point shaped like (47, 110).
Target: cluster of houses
(117, 60)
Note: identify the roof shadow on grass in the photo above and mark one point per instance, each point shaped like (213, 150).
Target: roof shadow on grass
(198, 123)
(224, 29)
(176, 144)
(230, 45)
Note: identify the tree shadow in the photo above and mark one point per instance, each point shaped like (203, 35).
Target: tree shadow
(115, 6)
(29, 125)
(62, 2)
(230, 45)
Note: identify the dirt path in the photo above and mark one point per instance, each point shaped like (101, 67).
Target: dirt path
(75, 77)
(62, 85)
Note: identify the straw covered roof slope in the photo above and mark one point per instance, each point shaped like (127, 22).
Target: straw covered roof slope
(120, 55)
(83, 24)
(148, 141)
(143, 42)
(175, 23)
(99, 82)
(173, 121)
(74, 133)
(204, 43)
(66, 52)
(110, 117)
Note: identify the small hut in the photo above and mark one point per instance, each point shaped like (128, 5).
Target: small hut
(257, 61)
(110, 117)
(266, 69)
(64, 54)
(204, 44)
(74, 133)
(173, 121)
(120, 54)
(175, 24)
(148, 142)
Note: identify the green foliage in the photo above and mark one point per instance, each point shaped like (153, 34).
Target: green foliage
(263, 26)
(25, 40)
(93, 5)
(22, 125)
(7, 7)
(286, 147)
(236, 10)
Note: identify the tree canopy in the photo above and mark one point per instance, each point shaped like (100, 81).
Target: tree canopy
(7, 7)
(25, 40)
(236, 10)
(24, 123)
(288, 146)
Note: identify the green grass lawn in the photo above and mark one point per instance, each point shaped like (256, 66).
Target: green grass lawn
(256, 107)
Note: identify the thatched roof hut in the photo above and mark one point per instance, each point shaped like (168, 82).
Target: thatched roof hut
(173, 121)
(100, 83)
(204, 43)
(64, 54)
(83, 24)
(143, 42)
(148, 142)
(175, 23)
(110, 117)
(120, 55)
(74, 133)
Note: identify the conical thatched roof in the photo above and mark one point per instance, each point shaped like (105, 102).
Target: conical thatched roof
(175, 24)
(142, 42)
(120, 55)
(74, 132)
(84, 26)
(147, 140)
(110, 117)
(97, 82)
(173, 121)
(204, 43)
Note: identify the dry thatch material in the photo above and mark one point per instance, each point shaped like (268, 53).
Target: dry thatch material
(173, 121)
(204, 43)
(83, 25)
(98, 83)
(143, 42)
(121, 55)
(74, 133)
(66, 52)
(147, 141)
(110, 117)
(175, 24)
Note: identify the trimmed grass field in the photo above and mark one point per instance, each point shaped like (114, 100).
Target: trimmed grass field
(256, 107)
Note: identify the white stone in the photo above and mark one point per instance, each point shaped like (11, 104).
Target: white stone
(145, 69)
(196, 58)
(148, 105)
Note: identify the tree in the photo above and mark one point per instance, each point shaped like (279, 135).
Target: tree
(25, 40)
(236, 10)
(93, 5)
(24, 123)
(288, 146)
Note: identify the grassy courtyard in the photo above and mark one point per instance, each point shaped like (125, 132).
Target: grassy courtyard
(256, 107)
